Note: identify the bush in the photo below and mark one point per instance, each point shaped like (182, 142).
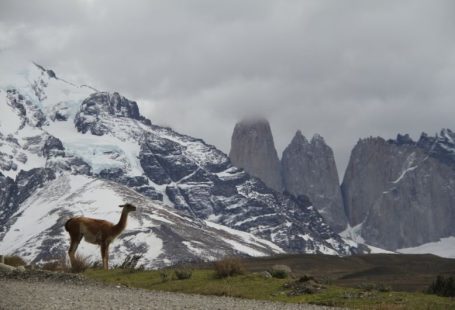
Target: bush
(183, 273)
(228, 267)
(165, 275)
(280, 274)
(15, 261)
(442, 286)
(80, 264)
(280, 271)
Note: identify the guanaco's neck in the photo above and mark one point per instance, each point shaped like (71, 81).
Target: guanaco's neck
(120, 226)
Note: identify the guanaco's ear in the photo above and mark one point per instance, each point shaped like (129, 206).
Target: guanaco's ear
(121, 206)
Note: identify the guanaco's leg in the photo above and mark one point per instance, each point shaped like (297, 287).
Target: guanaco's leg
(75, 240)
(76, 237)
(105, 255)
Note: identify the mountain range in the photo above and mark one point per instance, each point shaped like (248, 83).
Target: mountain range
(68, 150)
(396, 194)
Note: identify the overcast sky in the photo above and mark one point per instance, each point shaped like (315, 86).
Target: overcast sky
(343, 69)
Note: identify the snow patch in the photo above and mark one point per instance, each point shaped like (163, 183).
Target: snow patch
(353, 233)
(247, 237)
(445, 247)
(403, 174)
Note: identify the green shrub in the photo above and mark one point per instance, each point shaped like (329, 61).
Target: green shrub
(279, 274)
(228, 267)
(183, 273)
(165, 275)
(442, 286)
(15, 261)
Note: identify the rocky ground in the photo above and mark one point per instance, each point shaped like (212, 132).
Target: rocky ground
(50, 290)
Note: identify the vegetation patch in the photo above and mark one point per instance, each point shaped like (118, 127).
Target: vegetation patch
(304, 285)
(280, 274)
(255, 286)
(80, 264)
(15, 261)
(131, 263)
(228, 267)
(183, 273)
(443, 286)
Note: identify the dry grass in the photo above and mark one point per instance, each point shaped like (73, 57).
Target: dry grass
(15, 261)
(80, 264)
(59, 265)
(228, 267)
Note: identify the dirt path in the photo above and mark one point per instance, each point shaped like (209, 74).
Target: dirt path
(48, 293)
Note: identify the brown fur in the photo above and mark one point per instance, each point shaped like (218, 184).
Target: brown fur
(96, 231)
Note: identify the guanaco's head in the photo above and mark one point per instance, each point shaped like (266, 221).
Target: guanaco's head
(128, 207)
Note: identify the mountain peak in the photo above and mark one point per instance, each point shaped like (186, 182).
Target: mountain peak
(49, 72)
(310, 169)
(317, 138)
(403, 139)
(253, 149)
(254, 125)
(299, 138)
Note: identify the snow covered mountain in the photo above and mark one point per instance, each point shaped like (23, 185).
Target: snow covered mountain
(160, 235)
(67, 149)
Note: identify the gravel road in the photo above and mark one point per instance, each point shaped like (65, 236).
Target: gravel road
(57, 292)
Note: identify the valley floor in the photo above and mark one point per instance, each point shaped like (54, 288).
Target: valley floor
(379, 281)
(253, 286)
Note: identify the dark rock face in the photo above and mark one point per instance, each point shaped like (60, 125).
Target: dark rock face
(440, 147)
(165, 161)
(7, 199)
(29, 112)
(68, 163)
(52, 146)
(401, 192)
(28, 181)
(139, 183)
(309, 168)
(14, 192)
(211, 188)
(253, 149)
(100, 103)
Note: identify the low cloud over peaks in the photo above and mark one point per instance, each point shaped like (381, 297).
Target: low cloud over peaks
(342, 69)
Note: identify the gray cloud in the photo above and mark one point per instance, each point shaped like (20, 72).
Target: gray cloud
(344, 69)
